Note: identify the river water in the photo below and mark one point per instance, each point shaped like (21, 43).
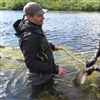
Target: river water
(78, 30)
(75, 29)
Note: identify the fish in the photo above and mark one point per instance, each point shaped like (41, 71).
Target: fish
(80, 77)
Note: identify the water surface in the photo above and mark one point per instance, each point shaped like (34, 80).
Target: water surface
(79, 31)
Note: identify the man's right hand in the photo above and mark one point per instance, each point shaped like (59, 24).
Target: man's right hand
(61, 71)
(90, 62)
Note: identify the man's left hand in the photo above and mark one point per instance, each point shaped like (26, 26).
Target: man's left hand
(57, 48)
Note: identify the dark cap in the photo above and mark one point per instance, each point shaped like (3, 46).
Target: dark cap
(32, 8)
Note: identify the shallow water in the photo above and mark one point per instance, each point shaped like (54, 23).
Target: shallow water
(77, 32)
(14, 85)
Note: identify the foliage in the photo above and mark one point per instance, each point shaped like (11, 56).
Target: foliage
(66, 5)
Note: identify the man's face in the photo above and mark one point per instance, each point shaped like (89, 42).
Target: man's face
(38, 19)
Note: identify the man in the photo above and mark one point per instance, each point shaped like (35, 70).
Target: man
(92, 61)
(35, 47)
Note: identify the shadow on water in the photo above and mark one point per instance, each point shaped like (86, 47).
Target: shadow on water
(13, 80)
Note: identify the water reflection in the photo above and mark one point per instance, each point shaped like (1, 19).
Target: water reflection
(12, 85)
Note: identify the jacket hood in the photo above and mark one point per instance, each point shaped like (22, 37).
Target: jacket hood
(24, 25)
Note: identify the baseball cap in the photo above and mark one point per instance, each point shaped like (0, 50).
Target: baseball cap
(32, 8)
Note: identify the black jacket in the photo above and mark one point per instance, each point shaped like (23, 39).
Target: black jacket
(36, 49)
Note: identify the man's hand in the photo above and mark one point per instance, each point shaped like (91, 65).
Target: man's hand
(61, 72)
(89, 70)
(57, 48)
(90, 62)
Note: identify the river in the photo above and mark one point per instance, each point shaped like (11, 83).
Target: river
(79, 31)
(75, 29)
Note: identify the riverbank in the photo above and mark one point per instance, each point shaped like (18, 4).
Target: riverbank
(60, 5)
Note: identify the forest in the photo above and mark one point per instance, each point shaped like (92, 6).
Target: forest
(56, 5)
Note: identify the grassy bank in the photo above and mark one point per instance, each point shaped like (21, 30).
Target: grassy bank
(62, 5)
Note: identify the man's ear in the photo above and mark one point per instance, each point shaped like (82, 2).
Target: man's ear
(29, 17)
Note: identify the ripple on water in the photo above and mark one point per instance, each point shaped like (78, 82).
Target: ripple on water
(13, 86)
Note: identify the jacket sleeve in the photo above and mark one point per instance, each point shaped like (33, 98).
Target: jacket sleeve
(52, 46)
(30, 46)
(97, 53)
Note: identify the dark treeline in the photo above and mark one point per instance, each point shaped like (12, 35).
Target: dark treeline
(61, 5)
